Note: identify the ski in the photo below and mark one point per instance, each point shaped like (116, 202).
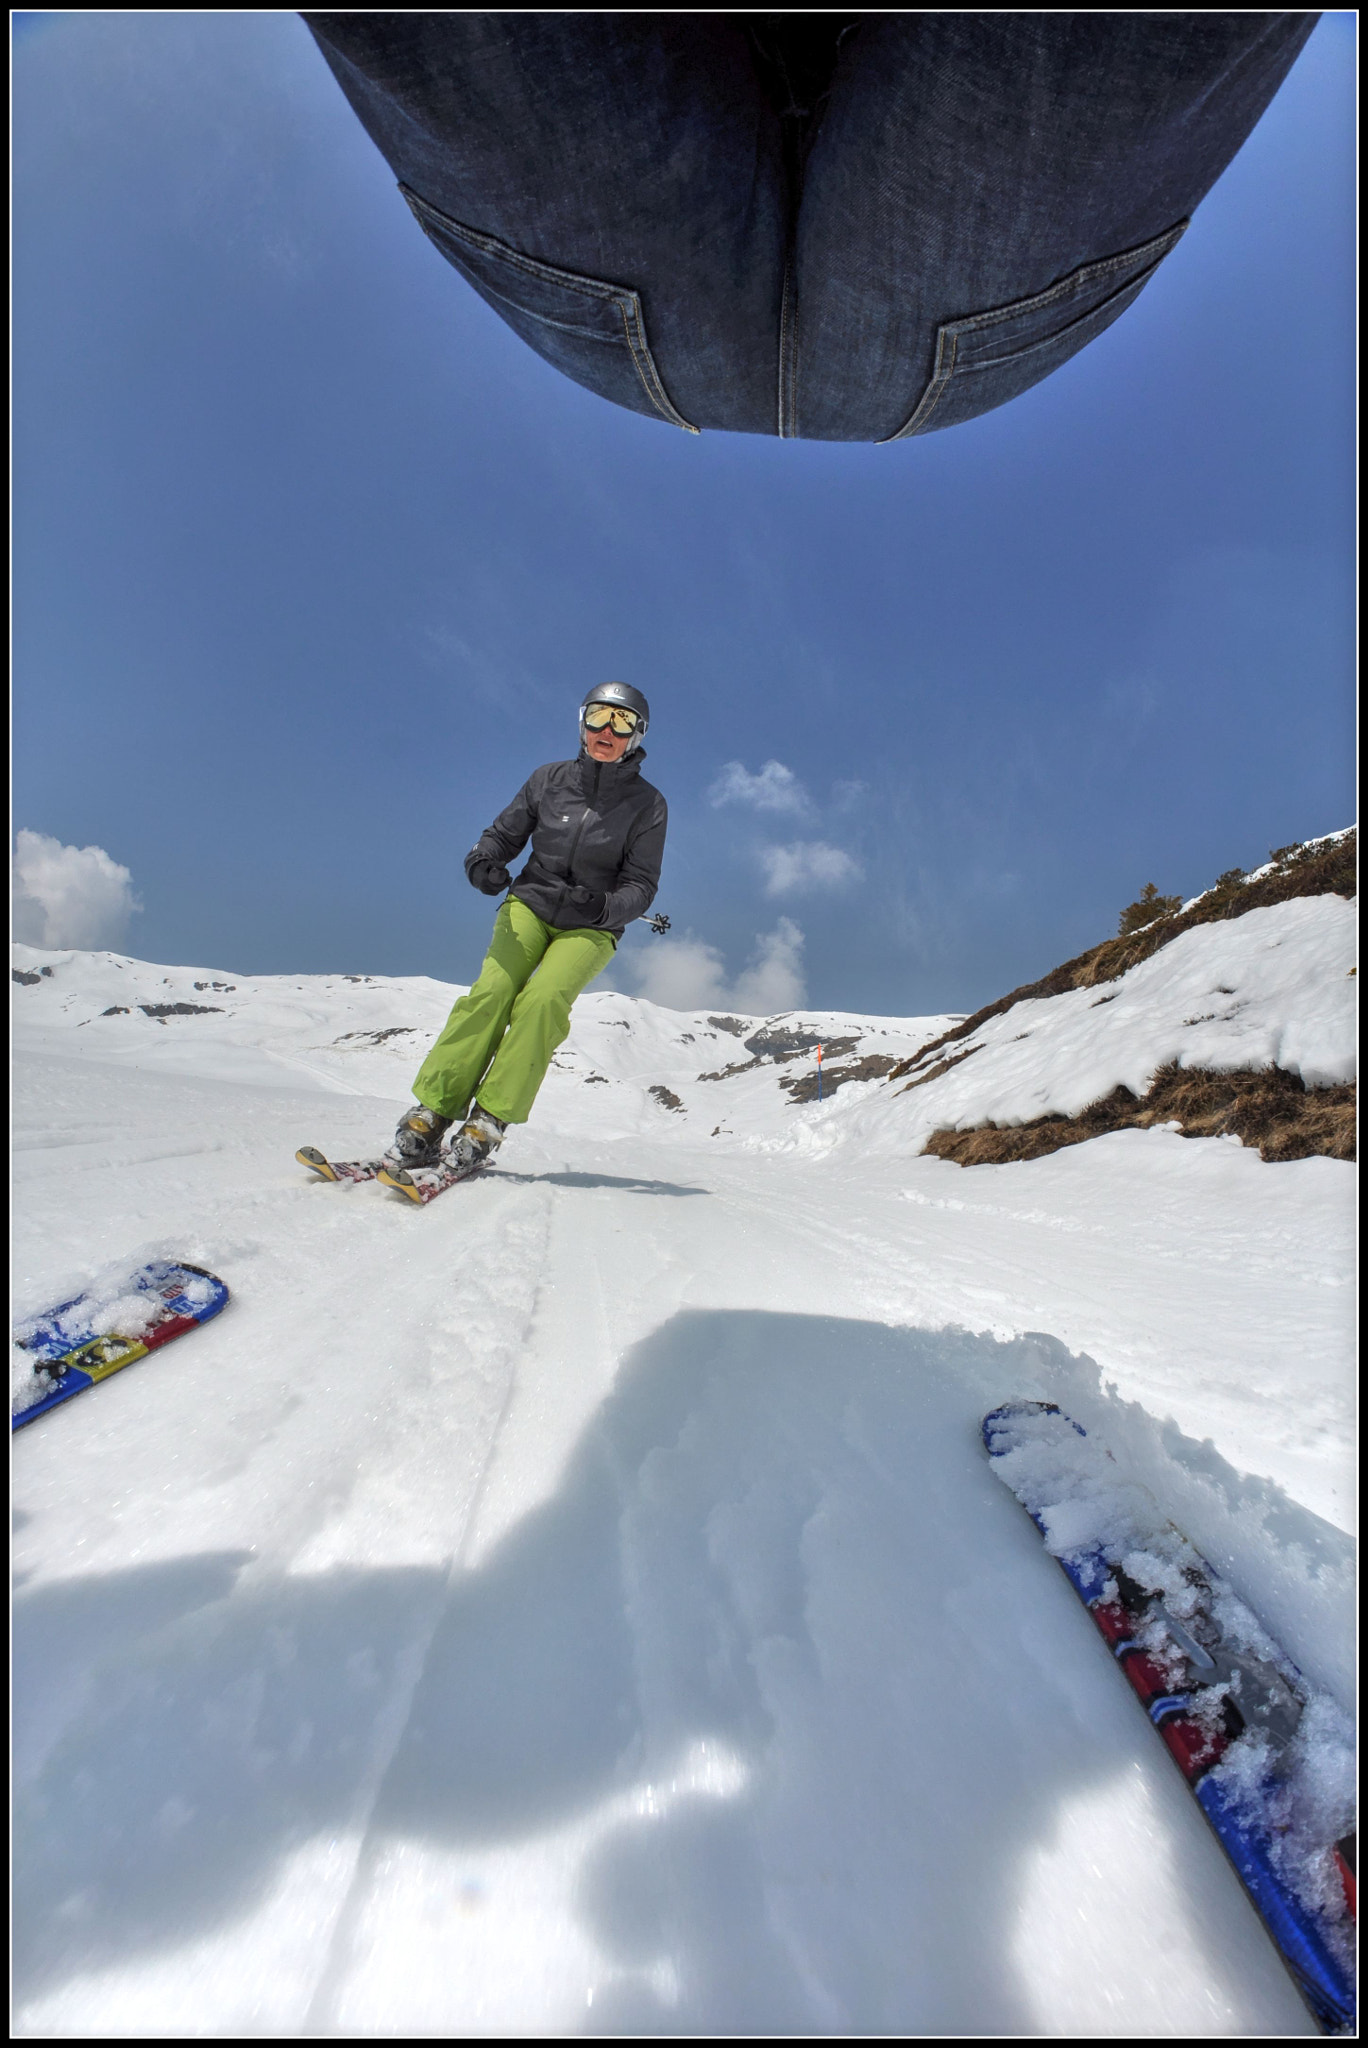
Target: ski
(1225, 1700)
(425, 1183)
(418, 1183)
(337, 1169)
(99, 1332)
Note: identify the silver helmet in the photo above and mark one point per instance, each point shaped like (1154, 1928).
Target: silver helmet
(629, 699)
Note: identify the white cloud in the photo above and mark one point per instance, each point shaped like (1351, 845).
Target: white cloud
(775, 788)
(680, 974)
(774, 979)
(845, 795)
(69, 895)
(688, 974)
(808, 864)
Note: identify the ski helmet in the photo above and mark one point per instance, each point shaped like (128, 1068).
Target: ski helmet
(630, 700)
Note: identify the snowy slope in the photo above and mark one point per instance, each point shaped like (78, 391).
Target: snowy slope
(361, 1034)
(1275, 987)
(583, 1605)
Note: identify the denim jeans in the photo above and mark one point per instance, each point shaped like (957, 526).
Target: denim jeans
(834, 227)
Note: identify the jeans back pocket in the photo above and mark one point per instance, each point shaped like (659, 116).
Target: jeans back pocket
(592, 331)
(988, 358)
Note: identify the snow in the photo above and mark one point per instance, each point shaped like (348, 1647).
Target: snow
(26, 1385)
(584, 1605)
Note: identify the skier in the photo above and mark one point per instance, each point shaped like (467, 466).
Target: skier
(598, 833)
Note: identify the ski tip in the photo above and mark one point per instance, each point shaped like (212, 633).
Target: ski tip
(310, 1156)
(398, 1178)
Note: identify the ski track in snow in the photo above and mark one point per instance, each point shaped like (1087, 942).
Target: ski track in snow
(583, 1605)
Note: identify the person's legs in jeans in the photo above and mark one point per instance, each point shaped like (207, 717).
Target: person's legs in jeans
(968, 162)
(629, 150)
(836, 227)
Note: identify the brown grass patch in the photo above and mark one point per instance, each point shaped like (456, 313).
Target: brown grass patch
(1271, 1109)
(1314, 869)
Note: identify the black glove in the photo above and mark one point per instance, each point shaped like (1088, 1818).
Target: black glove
(490, 877)
(589, 903)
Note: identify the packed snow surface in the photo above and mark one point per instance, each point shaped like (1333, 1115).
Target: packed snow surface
(584, 1605)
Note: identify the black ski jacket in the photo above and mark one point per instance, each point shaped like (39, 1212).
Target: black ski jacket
(594, 825)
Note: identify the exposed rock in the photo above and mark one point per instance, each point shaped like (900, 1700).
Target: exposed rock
(803, 1087)
(777, 1046)
(165, 1010)
(378, 1037)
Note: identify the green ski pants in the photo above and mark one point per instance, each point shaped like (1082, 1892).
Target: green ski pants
(500, 1037)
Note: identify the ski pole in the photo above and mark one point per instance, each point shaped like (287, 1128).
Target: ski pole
(819, 1073)
(659, 923)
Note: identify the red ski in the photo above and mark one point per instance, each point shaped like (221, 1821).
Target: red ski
(1226, 1702)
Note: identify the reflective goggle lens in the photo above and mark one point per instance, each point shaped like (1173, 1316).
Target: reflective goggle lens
(600, 715)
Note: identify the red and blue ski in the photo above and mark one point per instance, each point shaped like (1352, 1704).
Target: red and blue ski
(108, 1327)
(1227, 1703)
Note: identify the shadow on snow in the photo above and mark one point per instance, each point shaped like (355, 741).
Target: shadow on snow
(631, 1186)
(779, 1540)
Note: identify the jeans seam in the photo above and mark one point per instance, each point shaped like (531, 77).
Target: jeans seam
(547, 320)
(994, 362)
(788, 358)
(949, 332)
(629, 307)
(627, 302)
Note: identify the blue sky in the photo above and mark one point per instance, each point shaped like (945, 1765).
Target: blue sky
(313, 560)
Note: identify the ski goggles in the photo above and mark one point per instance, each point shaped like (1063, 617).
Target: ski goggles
(599, 716)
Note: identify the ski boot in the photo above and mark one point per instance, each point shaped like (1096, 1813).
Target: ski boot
(418, 1140)
(476, 1141)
